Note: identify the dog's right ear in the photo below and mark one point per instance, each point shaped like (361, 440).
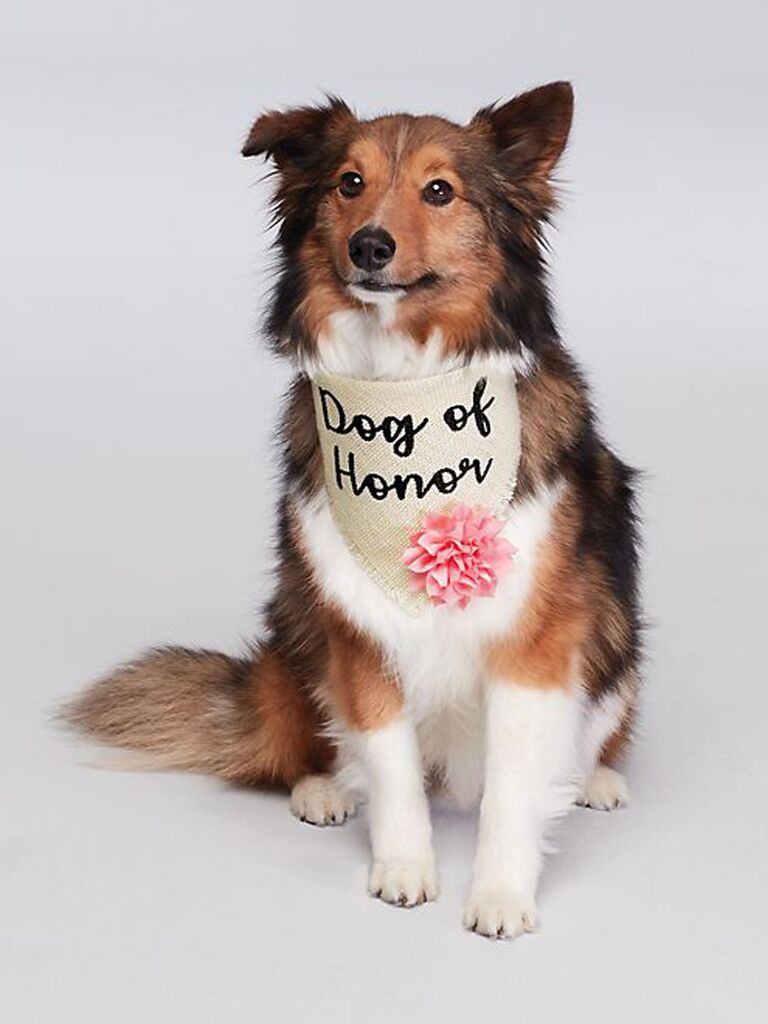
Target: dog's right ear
(292, 137)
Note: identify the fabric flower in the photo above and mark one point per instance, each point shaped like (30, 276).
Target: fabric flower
(457, 556)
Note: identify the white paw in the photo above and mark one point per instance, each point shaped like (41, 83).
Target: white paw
(499, 913)
(404, 882)
(605, 790)
(319, 800)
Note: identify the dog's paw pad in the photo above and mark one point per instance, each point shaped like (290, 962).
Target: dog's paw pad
(318, 800)
(605, 790)
(499, 913)
(405, 883)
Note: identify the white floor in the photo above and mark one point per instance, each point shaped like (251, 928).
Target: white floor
(137, 500)
(164, 898)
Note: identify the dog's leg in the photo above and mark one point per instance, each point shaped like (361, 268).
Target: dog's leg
(368, 702)
(403, 869)
(607, 734)
(530, 758)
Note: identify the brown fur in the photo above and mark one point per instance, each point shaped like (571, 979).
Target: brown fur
(281, 739)
(552, 409)
(243, 721)
(173, 704)
(616, 747)
(543, 649)
(363, 691)
(572, 627)
(302, 450)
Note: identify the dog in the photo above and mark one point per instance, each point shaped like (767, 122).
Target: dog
(496, 658)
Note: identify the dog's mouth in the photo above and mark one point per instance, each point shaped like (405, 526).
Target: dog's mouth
(397, 289)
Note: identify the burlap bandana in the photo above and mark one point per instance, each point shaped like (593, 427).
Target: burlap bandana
(396, 451)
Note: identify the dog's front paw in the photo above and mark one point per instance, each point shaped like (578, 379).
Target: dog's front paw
(403, 882)
(499, 912)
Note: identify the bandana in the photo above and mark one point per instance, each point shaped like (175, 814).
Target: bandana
(429, 461)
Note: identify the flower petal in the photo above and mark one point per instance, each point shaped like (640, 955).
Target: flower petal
(458, 555)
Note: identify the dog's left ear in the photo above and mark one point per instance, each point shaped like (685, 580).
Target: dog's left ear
(292, 137)
(531, 130)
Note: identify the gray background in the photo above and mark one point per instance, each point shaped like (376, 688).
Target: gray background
(137, 493)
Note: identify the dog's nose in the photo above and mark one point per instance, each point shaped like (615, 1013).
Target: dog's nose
(371, 248)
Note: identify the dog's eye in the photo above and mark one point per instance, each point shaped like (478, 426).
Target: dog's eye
(438, 192)
(351, 184)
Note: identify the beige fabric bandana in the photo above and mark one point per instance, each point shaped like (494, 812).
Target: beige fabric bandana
(397, 451)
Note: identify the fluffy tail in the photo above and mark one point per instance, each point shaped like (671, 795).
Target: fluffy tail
(241, 719)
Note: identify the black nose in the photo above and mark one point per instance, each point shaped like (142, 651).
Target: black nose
(371, 248)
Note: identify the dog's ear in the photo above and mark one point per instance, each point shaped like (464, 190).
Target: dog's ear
(529, 131)
(292, 137)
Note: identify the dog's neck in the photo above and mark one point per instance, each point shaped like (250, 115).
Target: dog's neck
(361, 343)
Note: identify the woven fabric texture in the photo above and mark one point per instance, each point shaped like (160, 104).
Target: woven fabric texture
(396, 451)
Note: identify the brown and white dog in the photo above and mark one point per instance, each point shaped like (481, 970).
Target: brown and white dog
(410, 246)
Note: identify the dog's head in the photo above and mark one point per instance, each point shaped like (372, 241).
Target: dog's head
(437, 222)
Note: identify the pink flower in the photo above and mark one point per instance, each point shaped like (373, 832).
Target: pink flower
(458, 556)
